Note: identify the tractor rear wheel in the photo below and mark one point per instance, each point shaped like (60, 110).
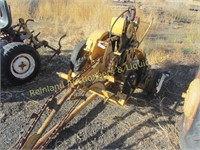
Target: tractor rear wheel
(20, 63)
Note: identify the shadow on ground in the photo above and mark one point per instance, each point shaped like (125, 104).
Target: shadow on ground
(46, 78)
(168, 104)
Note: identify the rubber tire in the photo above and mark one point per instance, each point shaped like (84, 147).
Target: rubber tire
(10, 51)
(151, 84)
(2, 43)
(77, 60)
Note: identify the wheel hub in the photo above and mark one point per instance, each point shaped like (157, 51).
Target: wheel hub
(22, 66)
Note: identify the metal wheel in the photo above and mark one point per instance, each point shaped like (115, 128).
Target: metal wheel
(22, 66)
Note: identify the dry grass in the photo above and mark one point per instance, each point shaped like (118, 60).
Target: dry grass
(88, 15)
(182, 38)
(64, 14)
(19, 12)
(76, 18)
(91, 15)
(79, 18)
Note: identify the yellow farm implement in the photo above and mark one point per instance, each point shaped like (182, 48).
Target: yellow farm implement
(109, 65)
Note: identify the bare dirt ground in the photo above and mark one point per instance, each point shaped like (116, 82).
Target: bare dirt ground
(145, 123)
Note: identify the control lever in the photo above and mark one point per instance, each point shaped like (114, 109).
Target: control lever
(57, 51)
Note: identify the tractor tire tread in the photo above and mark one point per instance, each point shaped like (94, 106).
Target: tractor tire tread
(10, 51)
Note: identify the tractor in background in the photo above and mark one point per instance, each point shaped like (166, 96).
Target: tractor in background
(20, 60)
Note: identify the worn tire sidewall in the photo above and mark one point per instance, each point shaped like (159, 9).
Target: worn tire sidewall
(77, 54)
(10, 53)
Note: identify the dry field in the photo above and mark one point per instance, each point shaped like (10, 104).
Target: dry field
(175, 29)
(147, 122)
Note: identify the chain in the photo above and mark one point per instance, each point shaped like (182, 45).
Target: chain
(61, 123)
(22, 140)
(85, 70)
(112, 65)
(38, 115)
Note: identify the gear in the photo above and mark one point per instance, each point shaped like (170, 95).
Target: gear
(112, 65)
